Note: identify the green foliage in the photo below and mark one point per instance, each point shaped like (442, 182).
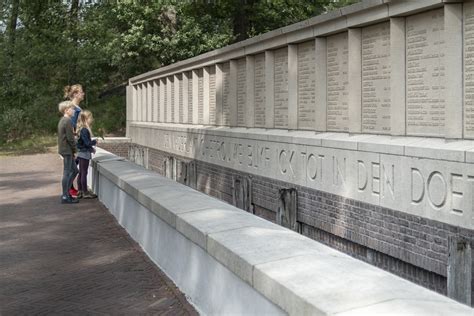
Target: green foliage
(107, 42)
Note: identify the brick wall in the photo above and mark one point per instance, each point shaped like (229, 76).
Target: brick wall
(118, 148)
(410, 246)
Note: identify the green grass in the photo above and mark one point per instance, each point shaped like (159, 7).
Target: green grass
(29, 146)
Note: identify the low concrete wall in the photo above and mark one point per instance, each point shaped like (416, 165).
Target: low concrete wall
(231, 262)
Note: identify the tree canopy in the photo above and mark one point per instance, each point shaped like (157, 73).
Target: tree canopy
(45, 45)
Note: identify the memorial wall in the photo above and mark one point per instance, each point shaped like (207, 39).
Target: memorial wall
(373, 103)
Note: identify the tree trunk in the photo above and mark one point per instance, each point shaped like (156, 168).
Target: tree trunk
(241, 21)
(11, 28)
(74, 22)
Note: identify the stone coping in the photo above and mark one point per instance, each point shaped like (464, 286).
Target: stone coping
(418, 147)
(300, 275)
(114, 140)
(360, 14)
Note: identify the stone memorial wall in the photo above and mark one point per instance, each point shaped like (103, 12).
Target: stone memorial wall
(368, 111)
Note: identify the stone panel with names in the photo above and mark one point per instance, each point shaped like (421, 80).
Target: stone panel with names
(180, 104)
(200, 96)
(337, 83)
(281, 88)
(469, 69)
(225, 93)
(376, 78)
(306, 85)
(190, 97)
(260, 90)
(425, 73)
(241, 91)
(212, 95)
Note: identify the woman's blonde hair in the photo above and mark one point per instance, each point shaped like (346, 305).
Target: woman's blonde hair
(70, 91)
(85, 120)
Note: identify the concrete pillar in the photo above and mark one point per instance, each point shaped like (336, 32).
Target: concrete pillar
(355, 80)
(453, 36)
(269, 89)
(185, 98)
(219, 93)
(233, 93)
(320, 49)
(129, 108)
(142, 109)
(176, 99)
(149, 101)
(206, 95)
(397, 77)
(195, 102)
(162, 99)
(292, 86)
(250, 92)
(460, 269)
(156, 97)
(168, 100)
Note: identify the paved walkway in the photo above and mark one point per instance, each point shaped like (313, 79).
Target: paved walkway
(70, 259)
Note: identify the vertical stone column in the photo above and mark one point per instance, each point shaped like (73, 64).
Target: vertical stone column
(320, 50)
(219, 94)
(162, 99)
(206, 95)
(168, 100)
(355, 80)
(149, 101)
(176, 99)
(453, 37)
(129, 109)
(195, 102)
(233, 93)
(250, 93)
(142, 102)
(397, 76)
(269, 89)
(292, 86)
(185, 98)
(156, 96)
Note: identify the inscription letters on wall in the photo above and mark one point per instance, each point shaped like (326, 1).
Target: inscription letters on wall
(422, 187)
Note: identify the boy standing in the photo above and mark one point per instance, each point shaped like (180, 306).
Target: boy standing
(67, 149)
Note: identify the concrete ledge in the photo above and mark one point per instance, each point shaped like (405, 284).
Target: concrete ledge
(231, 262)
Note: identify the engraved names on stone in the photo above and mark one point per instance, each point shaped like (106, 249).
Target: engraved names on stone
(165, 100)
(241, 91)
(200, 96)
(469, 69)
(425, 73)
(260, 90)
(376, 78)
(281, 88)
(212, 95)
(225, 93)
(337, 83)
(306, 85)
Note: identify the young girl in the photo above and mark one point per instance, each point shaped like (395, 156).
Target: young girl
(85, 146)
